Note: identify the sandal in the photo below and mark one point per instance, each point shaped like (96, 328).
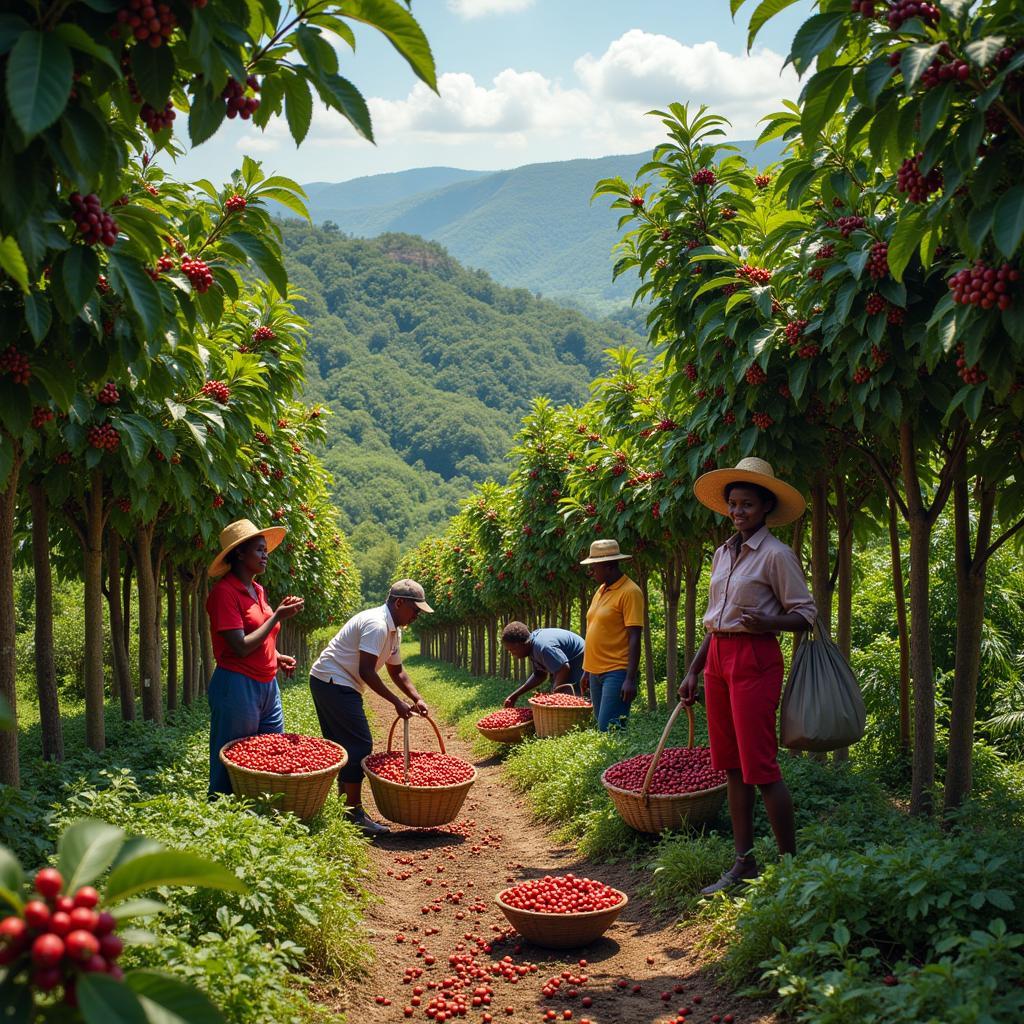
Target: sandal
(730, 879)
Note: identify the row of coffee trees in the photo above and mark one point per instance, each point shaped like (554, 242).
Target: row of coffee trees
(854, 314)
(152, 356)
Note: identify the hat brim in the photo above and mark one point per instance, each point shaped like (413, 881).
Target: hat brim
(605, 558)
(423, 606)
(274, 535)
(710, 492)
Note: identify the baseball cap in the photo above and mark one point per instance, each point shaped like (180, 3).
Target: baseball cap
(410, 590)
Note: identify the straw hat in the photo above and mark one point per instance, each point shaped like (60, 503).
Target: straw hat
(237, 533)
(604, 551)
(710, 490)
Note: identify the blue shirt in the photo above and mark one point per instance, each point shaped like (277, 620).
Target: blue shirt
(554, 648)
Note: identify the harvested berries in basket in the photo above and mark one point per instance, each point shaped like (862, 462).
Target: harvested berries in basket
(285, 753)
(425, 768)
(562, 894)
(507, 718)
(560, 700)
(680, 770)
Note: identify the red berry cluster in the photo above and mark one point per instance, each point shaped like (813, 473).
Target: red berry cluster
(559, 700)
(217, 390)
(636, 200)
(755, 275)
(918, 186)
(865, 8)
(895, 316)
(728, 213)
(691, 371)
(968, 374)
(984, 286)
(816, 273)
(807, 351)
(729, 417)
(692, 439)
(825, 252)
(41, 415)
(260, 438)
(218, 500)
(847, 225)
(862, 375)
(878, 260)
(285, 753)
(785, 392)
(666, 424)
(762, 181)
(561, 894)
(92, 222)
(705, 176)
(108, 394)
(680, 770)
(264, 333)
(761, 420)
(904, 10)
(875, 304)
(235, 202)
(879, 356)
(59, 938)
(238, 104)
(148, 22)
(104, 437)
(277, 515)
(939, 72)
(157, 120)
(425, 768)
(755, 376)
(506, 718)
(198, 273)
(63, 459)
(794, 329)
(16, 365)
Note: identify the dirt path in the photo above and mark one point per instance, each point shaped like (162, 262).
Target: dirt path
(435, 900)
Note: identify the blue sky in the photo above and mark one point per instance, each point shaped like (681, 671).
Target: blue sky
(526, 81)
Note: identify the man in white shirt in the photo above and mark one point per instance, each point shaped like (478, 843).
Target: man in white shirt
(350, 663)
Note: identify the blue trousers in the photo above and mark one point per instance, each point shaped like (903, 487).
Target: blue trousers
(239, 706)
(606, 696)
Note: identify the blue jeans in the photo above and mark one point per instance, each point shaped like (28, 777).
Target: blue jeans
(606, 696)
(239, 706)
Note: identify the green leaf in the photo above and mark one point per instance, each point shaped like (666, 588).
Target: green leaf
(85, 850)
(874, 78)
(76, 271)
(78, 39)
(823, 96)
(913, 63)
(153, 68)
(764, 11)
(813, 36)
(102, 1000)
(298, 107)
(12, 263)
(38, 315)
(205, 116)
(402, 29)
(16, 1002)
(341, 95)
(910, 229)
(11, 26)
(169, 1000)
(131, 909)
(983, 51)
(168, 867)
(261, 254)
(933, 109)
(11, 880)
(798, 377)
(1008, 226)
(39, 70)
(129, 279)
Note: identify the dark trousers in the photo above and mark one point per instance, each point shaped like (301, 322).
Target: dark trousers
(343, 720)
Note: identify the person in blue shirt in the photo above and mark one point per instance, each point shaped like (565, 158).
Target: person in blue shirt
(557, 653)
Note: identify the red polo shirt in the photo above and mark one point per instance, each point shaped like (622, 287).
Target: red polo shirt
(231, 606)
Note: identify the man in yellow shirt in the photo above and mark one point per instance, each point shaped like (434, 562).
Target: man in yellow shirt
(615, 624)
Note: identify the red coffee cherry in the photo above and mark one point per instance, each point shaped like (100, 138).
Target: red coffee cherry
(284, 753)
(93, 224)
(198, 273)
(217, 390)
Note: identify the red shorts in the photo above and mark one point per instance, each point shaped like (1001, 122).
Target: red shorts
(742, 686)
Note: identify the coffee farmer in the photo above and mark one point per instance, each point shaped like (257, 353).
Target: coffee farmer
(243, 692)
(615, 622)
(554, 653)
(757, 590)
(351, 662)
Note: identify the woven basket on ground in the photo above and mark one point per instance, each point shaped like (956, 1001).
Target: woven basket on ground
(417, 806)
(301, 793)
(551, 720)
(655, 812)
(511, 734)
(561, 931)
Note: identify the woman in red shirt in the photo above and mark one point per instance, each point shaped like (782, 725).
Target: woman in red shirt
(243, 692)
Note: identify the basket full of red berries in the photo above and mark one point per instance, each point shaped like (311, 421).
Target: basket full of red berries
(557, 713)
(509, 725)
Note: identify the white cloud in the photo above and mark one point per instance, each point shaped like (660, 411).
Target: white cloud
(481, 8)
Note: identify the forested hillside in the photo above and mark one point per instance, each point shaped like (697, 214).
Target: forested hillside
(428, 368)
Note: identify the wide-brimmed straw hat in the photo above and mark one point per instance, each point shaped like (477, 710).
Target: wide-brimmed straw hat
(710, 490)
(237, 533)
(604, 551)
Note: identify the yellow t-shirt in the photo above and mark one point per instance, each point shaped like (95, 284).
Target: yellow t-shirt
(613, 609)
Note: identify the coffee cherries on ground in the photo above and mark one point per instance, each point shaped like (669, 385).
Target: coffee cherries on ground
(561, 894)
(284, 753)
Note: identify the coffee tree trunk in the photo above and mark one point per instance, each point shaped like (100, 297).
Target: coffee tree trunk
(94, 522)
(172, 642)
(126, 600)
(115, 592)
(903, 632)
(691, 580)
(204, 633)
(149, 636)
(672, 580)
(844, 581)
(821, 582)
(187, 668)
(46, 676)
(9, 772)
(652, 693)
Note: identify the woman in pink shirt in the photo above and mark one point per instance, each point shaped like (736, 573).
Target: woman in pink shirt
(757, 590)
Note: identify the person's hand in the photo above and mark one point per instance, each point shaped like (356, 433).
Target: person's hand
(688, 688)
(402, 709)
(585, 683)
(286, 663)
(755, 622)
(510, 700)
(628, 689)
(420, 707)
(289, 606)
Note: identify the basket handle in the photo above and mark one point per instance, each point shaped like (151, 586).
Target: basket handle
(405, 737)
(561, 686)
(645, 790)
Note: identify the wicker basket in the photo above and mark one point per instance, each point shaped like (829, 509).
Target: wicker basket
(561, 931)
(301, 793)
(513, 734)
(655, 812)
(417, 806)
(552, 720)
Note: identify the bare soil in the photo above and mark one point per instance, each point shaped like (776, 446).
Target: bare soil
(418, 876)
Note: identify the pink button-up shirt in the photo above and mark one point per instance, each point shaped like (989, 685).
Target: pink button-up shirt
(762, 575)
